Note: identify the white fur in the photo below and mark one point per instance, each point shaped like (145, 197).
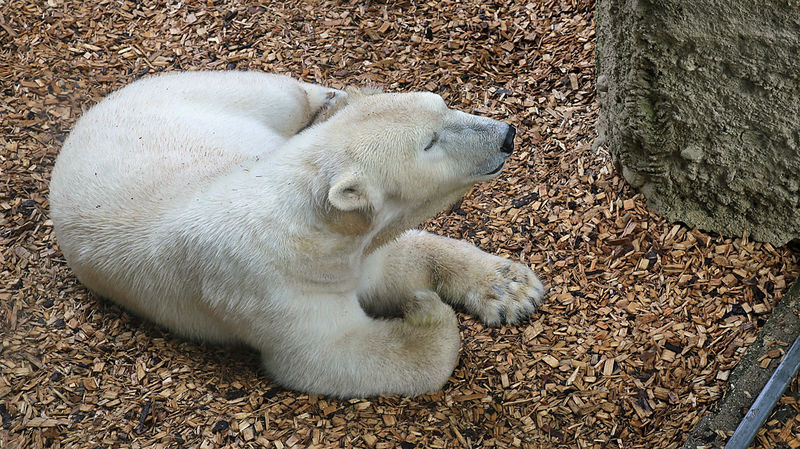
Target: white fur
(214, 204)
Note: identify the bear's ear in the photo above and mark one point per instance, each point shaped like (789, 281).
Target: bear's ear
(350, 192)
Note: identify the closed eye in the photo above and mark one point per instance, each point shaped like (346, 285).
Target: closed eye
(433, 141)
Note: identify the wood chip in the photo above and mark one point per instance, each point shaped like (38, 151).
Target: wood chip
(550, 360)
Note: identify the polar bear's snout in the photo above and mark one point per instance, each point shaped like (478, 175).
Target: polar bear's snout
(508, 142)
(503, 135)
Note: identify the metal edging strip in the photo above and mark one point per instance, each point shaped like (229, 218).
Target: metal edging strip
(766, 400)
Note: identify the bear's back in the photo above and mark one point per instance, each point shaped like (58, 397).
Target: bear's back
(154, 141)
(135, 160)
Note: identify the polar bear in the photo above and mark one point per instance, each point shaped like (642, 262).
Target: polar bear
(242, 207)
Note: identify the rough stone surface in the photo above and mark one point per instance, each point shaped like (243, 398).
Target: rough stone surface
(700, 107)
(748, 378)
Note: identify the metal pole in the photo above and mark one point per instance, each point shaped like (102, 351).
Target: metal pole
(766, 400)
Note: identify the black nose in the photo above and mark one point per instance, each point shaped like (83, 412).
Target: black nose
(508, 142)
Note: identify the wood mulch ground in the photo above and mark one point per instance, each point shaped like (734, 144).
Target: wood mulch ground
(644, 323)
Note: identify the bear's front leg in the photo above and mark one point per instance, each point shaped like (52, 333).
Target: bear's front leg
(494, 289)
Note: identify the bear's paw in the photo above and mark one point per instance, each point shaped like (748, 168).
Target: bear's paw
(508, 292)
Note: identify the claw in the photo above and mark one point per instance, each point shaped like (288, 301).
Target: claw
(498, 291)
(522, 318)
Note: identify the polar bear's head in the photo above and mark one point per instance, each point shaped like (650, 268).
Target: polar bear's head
(409, 152)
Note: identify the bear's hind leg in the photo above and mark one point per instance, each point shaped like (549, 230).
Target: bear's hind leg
(353, 355)
(323, 101)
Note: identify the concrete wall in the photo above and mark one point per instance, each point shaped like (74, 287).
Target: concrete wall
(700, 108)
